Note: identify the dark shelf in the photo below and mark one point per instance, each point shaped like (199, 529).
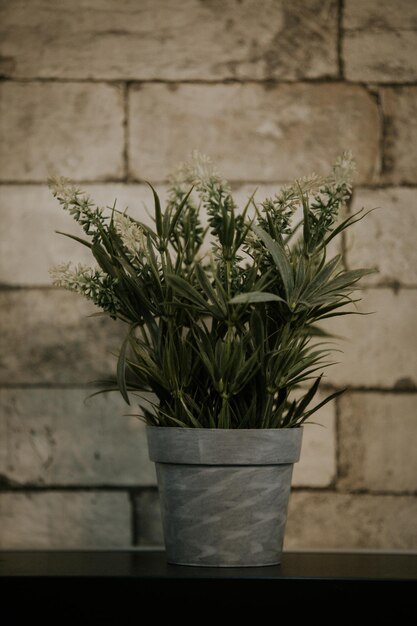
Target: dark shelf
(152, 566)
(107, 585)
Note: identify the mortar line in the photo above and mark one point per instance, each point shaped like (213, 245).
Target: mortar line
(320, 80)
(91, 387)
(354, 492)
(392, 286)
(126, 131)
(384, 135)
(343, 238)
(337, 411)
(235, 184)
(128, 489)
(7, 485)
(134, 525)
(376, 96)
(340, 35)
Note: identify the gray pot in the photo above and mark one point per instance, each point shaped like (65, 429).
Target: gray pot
(224, 493)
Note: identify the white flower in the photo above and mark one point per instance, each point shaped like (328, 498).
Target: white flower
(198, 171)
(78, 278)
(63, 188)
(88, 281)
(344, 169)
(131, 234)
(61, 274)
(308, 184)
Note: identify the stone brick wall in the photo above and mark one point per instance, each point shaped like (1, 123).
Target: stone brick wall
(112, 94)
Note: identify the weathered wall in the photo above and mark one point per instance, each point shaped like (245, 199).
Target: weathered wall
(112, 93)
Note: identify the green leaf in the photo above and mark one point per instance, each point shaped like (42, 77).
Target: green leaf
(183, 288)
(306, 220)
(83, 241)
(210, 292)
(246, 372)
(257, 328)
(121, 368)
(153, 263)
(303, 404)
(321, 404)
(345, 280)
(178, 213)
(158, 212)
(254, 297)
(321, 278)
(103, 259)
(281, 261)
(349, 221)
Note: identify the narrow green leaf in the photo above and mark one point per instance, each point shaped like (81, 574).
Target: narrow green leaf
(83, 241)
(210, 292)
(178, 213)
(158, 212)
(321, 278)
(303, 404)
(121, 368)
(349, 221)
(257, 327)
(183, 288)
(254, 297)
(345, 280)
(321, 404)
(306, 220)
(279, 256)
(103, 259)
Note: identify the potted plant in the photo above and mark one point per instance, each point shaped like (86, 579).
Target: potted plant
(228, 341)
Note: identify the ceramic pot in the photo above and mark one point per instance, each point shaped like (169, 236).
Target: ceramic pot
(224, 493)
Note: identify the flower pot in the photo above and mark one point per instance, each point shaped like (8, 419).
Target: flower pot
(224, 493)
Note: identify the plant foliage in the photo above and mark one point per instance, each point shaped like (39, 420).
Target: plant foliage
(226, 339)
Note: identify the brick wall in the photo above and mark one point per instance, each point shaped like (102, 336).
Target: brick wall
(113, 93)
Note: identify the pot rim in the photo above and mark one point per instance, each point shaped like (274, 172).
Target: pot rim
(224, 446)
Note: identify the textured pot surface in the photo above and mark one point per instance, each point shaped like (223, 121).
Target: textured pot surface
(224, 493)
